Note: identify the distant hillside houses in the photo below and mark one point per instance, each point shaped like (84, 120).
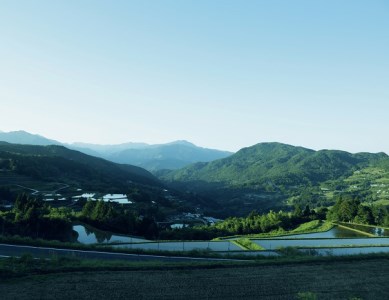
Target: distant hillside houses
(89, 196)
(118, 198)
(53, 197)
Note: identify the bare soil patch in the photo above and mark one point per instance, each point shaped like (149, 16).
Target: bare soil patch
(327, 280)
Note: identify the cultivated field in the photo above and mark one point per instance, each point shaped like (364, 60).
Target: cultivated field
(354, 279)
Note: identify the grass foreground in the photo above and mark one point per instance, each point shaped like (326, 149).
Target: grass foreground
(314, 226)
(359, 277)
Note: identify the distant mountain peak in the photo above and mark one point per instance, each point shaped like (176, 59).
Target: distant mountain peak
(182, 142)
(171, 155)
(24, 137)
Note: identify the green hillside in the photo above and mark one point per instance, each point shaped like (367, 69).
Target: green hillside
(270, 175)
(59, 164)
(57, 173)
(279, 163)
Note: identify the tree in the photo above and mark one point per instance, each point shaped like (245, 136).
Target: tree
(88, 208)
(20, 203)
(345, 209)
(364, 215)
(322, 213)
(307, 211)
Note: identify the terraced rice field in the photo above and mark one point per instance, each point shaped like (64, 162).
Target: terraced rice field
(183, 246)
(270, 244)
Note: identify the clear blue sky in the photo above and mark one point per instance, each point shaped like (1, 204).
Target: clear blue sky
(221, 74)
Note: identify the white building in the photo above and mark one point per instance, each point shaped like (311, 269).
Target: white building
(118, 198)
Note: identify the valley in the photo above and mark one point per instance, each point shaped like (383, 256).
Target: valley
(268, 201)
(194, 149)
(262, 178)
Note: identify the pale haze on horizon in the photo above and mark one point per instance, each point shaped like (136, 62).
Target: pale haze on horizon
(221, 74)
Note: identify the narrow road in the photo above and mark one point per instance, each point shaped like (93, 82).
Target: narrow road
(65, 186)
(27, 188)
(7, 250)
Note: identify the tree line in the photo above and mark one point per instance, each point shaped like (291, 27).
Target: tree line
(33, 218)
(252, 224)
(349, 208)
(107, 216)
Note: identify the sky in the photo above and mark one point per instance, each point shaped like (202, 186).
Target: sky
(222, 74)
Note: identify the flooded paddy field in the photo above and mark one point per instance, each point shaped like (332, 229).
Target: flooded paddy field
(337, 241)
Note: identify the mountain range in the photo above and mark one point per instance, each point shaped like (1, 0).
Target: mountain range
(55, 163)
(25, 138)
(172, 155)
(261, 177)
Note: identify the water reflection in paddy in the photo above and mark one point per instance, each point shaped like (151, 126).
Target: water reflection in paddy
(375, 231)
(336, 237)
(183, 246)
(335, 233)
(90, 235)
(278, 243)
(349, 251)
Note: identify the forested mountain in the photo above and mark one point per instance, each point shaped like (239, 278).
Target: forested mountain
(279, 164)
(57, 163)
(261, 177)
(25, 138)
(270, 175)
(58, 174)
(171, 156)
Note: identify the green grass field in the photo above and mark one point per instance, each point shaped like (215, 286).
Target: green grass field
(247, 244)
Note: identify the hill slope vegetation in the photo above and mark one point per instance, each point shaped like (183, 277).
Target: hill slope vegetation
(57, 163)
(267, 175)
(279, 164)
(171, 156)
(167, 156)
